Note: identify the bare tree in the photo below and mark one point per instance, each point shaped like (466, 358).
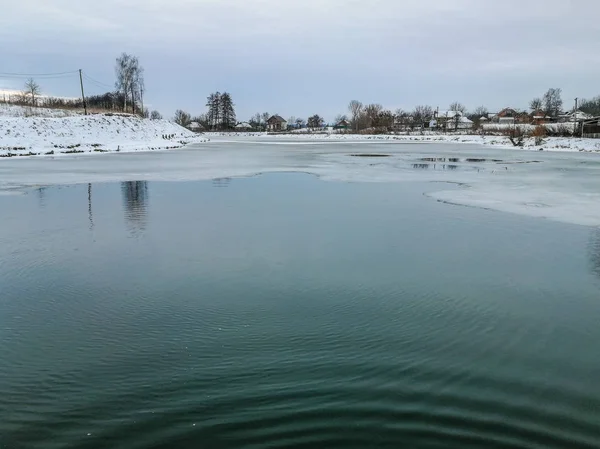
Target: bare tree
(32, 89)
(316, 121)
(421, 114)
(480, 111)
(535, 104)
(130, 79)
(300, 123)
(371, 113)
(341, 117)
(155, 115)
(139, 84)
(384, 119)
(265, 118)
(401, 118)
(591, 106)
(355, 108)
(458, 107)
(123, 75)
(182, 118)
(553, 102)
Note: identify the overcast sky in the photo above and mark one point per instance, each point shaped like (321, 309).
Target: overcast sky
(311, 56)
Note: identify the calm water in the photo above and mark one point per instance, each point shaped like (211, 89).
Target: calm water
(283, 312)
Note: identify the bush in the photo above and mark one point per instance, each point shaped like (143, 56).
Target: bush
(538, 134)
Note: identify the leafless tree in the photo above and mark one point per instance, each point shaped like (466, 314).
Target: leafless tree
(384, 119)
(355, 108)
(421, 114)
(401, 118)
(553, 102)
(155, 115)
(32, 89)
(139, 84)
(458, 107)
(480, 111)
(182, 118)
(371, 113)
(535, 104)
(130, 79)
(316, 121)
(341, 117)
(300, 123)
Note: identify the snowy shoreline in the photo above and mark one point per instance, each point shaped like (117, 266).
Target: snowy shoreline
(71, 134)
(26, 132)
(566, 144)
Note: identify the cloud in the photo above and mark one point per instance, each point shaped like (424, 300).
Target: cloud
(302, 57)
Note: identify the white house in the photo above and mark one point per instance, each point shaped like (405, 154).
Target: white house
(450, 120)
(574, 115)
(195, 126)
(244, 126)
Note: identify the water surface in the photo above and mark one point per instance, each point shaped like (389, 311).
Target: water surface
(286, 311)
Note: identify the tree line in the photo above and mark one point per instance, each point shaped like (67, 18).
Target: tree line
(220, 114)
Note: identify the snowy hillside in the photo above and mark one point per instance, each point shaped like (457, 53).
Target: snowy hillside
(46, 135)
(10, 110)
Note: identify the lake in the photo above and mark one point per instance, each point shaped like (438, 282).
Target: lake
(287, 311)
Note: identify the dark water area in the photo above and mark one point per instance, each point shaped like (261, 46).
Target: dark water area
(283, 311)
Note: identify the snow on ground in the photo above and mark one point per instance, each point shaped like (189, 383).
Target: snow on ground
(11, 110)
(562, 186)
(52, 134)
(549, 144)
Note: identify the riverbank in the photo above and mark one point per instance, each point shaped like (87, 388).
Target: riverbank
(51, 135)
(572, 144)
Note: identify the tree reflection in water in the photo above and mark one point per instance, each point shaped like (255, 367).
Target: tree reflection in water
(135, 204)
(594, 251)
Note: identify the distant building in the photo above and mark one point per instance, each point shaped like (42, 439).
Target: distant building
(539, 117)
(574, 116)
(450, 120)
(507, 116)
(195, 127)
(244, 126)
(276, 123)
(342, 125)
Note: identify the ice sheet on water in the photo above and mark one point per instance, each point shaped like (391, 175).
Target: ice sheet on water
(558, 186)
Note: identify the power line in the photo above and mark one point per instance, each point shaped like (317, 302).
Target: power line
(32, 75)
(100, 83)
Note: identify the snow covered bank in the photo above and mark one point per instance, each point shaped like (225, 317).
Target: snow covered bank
(52, 134)
(549, 143)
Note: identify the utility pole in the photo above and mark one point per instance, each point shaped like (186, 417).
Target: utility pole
(82, 94)
(142, 100)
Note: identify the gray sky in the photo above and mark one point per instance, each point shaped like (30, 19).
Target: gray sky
(311, 56)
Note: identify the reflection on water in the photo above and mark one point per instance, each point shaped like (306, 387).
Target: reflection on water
(90, 214)
(594, 250)
(221, 182)
(135, 204)
(290, 312)
(435, 166)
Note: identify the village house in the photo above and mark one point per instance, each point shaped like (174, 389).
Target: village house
(507, 116)
(450, 120)
(539, 117)
(342, 125)
(573, 116)
(243, 126)
(195, 127)
(276, 123)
